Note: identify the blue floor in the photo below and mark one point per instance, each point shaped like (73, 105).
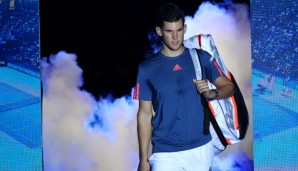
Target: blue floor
(15, 98)
(20, 121)
(23, 124)
(275, 128)
(270, 118)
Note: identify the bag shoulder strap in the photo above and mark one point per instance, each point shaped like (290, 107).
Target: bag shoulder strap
(208, 117)
(206, 43)
(196, 62)
(195, 55)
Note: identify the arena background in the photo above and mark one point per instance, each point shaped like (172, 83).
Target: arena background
(274, 52)
(20, 87)
(88, 115)
(87, 105)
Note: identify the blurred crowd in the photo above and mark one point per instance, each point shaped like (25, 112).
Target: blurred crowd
(19, 34)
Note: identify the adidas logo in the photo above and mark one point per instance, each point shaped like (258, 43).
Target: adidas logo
(177, 67)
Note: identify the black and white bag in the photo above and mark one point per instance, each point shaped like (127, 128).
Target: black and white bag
(229, 117)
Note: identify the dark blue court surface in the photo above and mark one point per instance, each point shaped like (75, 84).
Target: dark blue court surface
(12, 98)
(20, 115)
(271, 110)
(270, 118)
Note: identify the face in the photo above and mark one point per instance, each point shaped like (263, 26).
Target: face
(173, 35)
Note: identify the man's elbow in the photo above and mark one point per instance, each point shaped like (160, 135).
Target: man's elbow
(232, 89)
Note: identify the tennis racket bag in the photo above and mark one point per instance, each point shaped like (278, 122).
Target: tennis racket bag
(229, 117)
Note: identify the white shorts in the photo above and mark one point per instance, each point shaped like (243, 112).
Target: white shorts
(195, 159)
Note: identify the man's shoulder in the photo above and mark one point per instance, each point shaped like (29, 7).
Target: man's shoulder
(149, 59)
(200, 52)
(204, 53)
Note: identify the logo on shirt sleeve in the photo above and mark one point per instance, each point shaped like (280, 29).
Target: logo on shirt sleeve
(218, 68)
(136, 91)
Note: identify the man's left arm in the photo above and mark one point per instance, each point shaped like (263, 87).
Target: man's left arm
(225, 88)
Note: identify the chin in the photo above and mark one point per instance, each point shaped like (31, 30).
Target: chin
(175, 48)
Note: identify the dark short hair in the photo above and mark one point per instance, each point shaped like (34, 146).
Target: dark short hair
(169, 12)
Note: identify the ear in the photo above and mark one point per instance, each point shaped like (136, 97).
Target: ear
(158, 31)
(185, 28)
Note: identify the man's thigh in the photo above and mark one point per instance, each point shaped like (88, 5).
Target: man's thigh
(165, 162)
(189, 160)
(200, 158)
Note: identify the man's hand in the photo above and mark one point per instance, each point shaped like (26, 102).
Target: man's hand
(144, 166)
(202, 87)
(224, 88)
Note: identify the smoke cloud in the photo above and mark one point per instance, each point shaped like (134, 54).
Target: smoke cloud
(85, 133)
(229, 25)
(80, 132)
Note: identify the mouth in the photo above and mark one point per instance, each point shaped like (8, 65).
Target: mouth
(175, 43)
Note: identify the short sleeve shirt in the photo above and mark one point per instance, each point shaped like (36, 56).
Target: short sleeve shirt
(167, 82)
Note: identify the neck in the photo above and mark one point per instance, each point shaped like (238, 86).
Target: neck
(172, 53)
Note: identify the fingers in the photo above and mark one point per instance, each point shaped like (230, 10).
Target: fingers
(203, 90)
(202, 85)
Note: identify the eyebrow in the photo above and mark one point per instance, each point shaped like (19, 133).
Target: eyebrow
(173, 30)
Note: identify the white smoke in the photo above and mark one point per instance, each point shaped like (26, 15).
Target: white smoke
(71, 141)
(82, 133)
(230, 29)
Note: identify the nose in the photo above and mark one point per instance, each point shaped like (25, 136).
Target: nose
(174, 35)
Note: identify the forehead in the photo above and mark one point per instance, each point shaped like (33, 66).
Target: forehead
(173, 25)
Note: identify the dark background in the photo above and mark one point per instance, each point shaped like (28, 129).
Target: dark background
(110, 38)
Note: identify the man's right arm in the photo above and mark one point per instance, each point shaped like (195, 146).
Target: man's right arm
(144, 128)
